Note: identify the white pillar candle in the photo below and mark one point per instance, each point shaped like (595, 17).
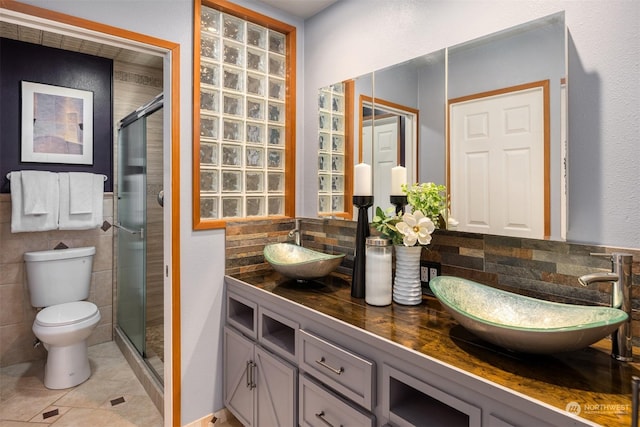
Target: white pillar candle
(398, 177)
(362, 180)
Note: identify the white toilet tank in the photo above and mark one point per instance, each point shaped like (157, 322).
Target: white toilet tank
(59, 276)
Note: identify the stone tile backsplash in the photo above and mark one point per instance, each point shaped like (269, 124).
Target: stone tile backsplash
(538, 268)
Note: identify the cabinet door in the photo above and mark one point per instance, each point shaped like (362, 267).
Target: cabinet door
(237, 380)
(277, 391)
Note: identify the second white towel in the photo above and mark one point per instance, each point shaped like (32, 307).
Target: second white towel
(80, 192)
(80, 221)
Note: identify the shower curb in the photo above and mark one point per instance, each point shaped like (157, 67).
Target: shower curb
(149, 382)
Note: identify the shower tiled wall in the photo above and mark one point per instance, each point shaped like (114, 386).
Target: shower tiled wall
(16, 313)
(539, 268)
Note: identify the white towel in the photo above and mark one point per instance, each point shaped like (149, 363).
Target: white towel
(81, 221)
(36, 191)
(32, 222)
(80, 192)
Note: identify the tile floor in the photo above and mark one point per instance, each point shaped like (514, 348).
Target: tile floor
(24, 401)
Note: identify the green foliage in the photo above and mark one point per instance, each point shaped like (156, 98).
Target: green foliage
(385, 222)
(429, 198)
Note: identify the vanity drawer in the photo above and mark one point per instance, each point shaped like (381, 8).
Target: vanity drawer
(319, 407)
(338, 368)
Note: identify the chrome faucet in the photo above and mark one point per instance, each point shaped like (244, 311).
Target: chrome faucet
(296, 233)
(620, 278)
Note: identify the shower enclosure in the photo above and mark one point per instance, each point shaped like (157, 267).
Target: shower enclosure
(139, 240)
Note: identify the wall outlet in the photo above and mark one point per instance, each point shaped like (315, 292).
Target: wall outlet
(424, 274)
(428, 270)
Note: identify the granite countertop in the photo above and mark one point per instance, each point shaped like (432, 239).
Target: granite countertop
(589, 377)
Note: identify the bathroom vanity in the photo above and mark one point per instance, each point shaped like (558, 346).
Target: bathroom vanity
(310, 354)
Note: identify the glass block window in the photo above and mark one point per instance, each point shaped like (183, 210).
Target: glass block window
(332, 150)
(244, 138)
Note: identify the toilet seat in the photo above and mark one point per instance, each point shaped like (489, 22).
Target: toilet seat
(66, 314)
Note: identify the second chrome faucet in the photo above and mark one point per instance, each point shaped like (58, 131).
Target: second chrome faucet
(621, 281)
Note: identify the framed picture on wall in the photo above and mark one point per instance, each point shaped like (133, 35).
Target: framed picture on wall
(57, 124)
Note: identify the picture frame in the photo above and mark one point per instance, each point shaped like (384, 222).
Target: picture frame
(57, 124)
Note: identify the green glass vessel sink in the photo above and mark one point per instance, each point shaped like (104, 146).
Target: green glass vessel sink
(300, 263)
(524, 324)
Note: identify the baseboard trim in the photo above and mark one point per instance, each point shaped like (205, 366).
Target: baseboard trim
(221, 416)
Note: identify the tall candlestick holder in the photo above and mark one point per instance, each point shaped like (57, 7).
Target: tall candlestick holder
(400, 202)
(363, 203)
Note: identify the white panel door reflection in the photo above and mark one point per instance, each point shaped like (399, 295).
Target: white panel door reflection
(498, 164)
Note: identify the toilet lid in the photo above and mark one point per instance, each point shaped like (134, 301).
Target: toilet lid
(66, 314)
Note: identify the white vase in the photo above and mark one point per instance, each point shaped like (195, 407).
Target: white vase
(407, 289)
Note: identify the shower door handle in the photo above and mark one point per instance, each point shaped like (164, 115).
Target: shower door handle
(128, 230)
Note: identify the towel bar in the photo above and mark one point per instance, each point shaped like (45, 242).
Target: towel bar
(104, 177)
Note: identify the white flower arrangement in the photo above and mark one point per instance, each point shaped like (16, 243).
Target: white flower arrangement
(427, 201)
(415, 228)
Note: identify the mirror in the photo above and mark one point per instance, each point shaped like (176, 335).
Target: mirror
(507, 131)
(339, 142)
(418, 92)
(407, 126)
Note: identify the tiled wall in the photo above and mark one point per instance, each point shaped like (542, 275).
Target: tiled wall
(16, 313)
(539, 268)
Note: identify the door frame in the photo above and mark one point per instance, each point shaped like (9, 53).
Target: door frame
(400, 110)
(37, 17)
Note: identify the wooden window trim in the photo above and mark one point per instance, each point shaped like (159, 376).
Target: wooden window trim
(290, 109)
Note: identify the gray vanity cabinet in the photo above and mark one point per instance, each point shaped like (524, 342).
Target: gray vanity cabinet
(293, 365)
(259, 387)
(260, 384)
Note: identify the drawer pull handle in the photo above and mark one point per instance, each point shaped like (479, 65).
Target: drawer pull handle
(320, 415)
(322, 363)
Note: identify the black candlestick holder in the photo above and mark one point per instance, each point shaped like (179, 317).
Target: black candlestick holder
(400, 202)
(363, 203)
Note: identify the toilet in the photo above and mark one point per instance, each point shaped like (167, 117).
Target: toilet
(58, 282)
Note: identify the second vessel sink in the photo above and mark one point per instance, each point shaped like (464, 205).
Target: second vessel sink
(521, 323)
(300, 263)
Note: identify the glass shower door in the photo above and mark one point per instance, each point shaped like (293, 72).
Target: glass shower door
(131, 226)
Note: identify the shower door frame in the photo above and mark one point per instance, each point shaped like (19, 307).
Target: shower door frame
(132, 224)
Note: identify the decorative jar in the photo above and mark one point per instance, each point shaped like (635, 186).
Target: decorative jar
(378, 271)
